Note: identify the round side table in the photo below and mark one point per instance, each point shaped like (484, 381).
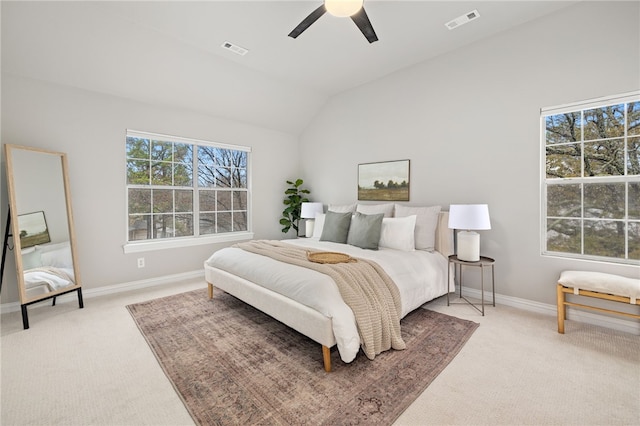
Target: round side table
(482, 263)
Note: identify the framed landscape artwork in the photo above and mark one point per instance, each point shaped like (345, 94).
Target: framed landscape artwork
(384, 181)
(33, 229)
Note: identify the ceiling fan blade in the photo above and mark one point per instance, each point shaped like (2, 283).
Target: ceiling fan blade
(306, 22)
(362, 21)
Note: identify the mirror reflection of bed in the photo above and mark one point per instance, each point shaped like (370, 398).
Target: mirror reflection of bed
(42, 225)
(47, 268)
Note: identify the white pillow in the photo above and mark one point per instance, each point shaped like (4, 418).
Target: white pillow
(342, 208)
(31, 258)
(387, 209)
(398, 233)
(318, 226)
(58, 255)
(426, 223)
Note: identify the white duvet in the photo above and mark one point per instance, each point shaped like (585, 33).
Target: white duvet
(420, 276)
(54, 278)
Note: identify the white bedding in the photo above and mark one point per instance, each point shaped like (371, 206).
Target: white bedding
(48, 265)
(54, 278)
(420, 276)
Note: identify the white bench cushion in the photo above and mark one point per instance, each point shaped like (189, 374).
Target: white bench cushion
(602, 283)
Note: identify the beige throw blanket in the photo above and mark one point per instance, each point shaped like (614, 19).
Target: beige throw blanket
(364, 286)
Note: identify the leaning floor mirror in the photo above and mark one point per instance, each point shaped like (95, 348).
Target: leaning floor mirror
(42, 226)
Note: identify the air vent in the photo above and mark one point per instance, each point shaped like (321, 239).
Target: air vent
(235, 48)
(461, 20)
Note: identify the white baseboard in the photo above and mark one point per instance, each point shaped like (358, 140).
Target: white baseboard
(616, 323)
(621, 324)
(115, 288)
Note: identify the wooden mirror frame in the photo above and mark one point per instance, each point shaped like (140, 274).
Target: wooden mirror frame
(25, 300)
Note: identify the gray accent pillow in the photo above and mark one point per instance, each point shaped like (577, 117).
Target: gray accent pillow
(336, 227)
(365, 230)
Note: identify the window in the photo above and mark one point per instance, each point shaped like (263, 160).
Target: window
(181, 189)
(591, 179)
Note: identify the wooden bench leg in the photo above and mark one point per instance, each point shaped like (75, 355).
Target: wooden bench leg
(326, 356)
(210, 290)
(562, 309)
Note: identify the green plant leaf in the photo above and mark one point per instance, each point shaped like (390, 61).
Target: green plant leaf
(294, 197)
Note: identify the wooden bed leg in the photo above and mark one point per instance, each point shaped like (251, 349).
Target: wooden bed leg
(210, 290)
(562, 309)
(326, 356)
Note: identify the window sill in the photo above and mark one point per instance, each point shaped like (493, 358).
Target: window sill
(143, 246)
(587, 258)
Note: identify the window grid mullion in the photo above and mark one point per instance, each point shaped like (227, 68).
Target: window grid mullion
(626, 186)
(171, 167)
(195, 200)
(584, 180)
(582, 164)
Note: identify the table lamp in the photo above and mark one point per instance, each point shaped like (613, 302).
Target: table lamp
(466, 218)
(308, 212)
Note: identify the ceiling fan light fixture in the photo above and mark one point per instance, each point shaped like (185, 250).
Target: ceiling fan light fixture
(343, 8)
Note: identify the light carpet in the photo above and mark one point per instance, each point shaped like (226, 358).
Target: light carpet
(232, 364)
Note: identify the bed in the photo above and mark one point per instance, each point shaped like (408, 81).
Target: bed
(413, 247)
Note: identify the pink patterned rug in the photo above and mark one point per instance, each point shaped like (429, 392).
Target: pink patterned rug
(232, 364)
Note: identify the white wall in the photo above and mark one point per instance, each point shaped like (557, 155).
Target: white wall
(469, 122)
(90, 128)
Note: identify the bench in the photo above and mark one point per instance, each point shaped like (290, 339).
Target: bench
(596, 285)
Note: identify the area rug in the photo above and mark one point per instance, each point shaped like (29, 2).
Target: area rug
(232, 364)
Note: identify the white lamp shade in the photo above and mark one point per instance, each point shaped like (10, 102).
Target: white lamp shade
(469, 216)
(343, 8)
(309, 210)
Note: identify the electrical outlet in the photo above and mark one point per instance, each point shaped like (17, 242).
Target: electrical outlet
(141, 262)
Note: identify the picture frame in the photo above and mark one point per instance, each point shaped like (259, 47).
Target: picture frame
(384, 181)
(33, 229)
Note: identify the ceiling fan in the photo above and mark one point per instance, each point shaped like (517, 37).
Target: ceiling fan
(340, 8)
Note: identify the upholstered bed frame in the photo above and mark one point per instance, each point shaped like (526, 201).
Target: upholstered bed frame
(301, 318)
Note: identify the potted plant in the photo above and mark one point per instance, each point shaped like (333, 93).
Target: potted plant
(295, 196)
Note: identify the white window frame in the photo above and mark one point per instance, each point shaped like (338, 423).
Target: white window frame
(582, 105)
(177, 242)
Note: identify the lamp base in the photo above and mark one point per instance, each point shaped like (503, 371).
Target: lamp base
(468, 246)
(309, 225)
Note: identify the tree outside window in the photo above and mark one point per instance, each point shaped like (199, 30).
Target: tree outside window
(592, 182)
(181, 188)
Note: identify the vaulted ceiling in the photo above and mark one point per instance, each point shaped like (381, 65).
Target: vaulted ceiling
(169, 53)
